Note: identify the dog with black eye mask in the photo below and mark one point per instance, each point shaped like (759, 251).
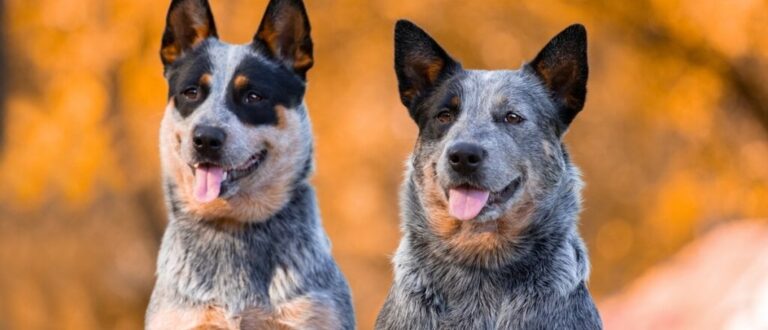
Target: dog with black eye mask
(244, 247)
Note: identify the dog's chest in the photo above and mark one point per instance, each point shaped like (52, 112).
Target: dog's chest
(230, 284)
(477, 304)
(226, 270)
(477, 310)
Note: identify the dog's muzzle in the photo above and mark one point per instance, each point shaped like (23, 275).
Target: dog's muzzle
(212, 180)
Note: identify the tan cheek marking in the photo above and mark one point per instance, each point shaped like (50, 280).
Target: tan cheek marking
(463, 237)
(282, 120)
(190, 318)
(264, 194)
(214, 318)
(259, 318)
(299, 313)
(436, 206)
(305, 313)
(281, 168)
(471, 240)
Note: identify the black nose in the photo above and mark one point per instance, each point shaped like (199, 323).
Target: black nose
(465, 158)
(208, 140)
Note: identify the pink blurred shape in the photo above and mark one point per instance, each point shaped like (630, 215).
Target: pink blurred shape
(719, 281)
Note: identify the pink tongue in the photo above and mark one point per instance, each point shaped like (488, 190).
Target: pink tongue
(466, 204)
(207, 183)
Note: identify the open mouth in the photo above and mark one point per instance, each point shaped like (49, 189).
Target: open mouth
(466, 202)
(210, 179)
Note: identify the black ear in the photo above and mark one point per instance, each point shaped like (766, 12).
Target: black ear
(562, 66)
(189, 23)
(284, 34)
(420, 63)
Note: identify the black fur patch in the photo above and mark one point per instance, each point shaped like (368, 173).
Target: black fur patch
(276, 85)
(420, 63)
(426, 110)
(188, 73)
(562, 66)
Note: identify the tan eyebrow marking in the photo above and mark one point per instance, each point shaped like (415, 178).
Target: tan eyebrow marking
(241, 81)
(206, 79)
(454, 101)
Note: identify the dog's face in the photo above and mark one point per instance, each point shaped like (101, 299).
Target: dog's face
(489, 143)
(235, 136)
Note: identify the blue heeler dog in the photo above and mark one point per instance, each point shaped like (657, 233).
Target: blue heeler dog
(491, 199)
(244, 247)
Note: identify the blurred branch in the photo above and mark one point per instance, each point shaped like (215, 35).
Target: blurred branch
(740, 75)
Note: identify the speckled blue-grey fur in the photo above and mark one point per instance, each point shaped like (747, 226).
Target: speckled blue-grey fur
(251, 252)
(539, 279)
(204, 263)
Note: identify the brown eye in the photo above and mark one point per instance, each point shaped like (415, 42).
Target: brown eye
(252, 97)
(445, 117)
(512, 118)
(192, 93)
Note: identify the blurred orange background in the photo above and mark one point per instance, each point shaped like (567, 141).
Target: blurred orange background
(673, 141)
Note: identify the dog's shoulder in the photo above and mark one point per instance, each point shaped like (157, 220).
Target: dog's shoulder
(573, 311)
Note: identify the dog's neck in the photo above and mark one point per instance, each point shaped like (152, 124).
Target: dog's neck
(211, 262)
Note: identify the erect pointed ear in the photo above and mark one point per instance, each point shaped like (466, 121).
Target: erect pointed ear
(562, 66)
(284, 34)
(420, 63)
(189, 23)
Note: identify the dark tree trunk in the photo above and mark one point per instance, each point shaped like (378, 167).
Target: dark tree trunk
(2, 69)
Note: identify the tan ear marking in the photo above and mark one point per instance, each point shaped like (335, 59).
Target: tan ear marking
(433, 69)
(284, 32)
(189, 23)
(170, 53)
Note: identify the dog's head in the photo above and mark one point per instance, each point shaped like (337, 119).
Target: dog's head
(235, 136)
(489, 145)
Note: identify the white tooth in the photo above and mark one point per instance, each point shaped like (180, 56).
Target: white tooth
(224, 177)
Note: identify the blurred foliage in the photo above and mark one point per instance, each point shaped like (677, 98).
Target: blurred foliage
(672, 140)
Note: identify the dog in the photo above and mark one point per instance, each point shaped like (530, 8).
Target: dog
(491, 199)
(244, 247)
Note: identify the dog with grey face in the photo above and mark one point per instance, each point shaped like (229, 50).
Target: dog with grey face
(244, 247)
(491, 199)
